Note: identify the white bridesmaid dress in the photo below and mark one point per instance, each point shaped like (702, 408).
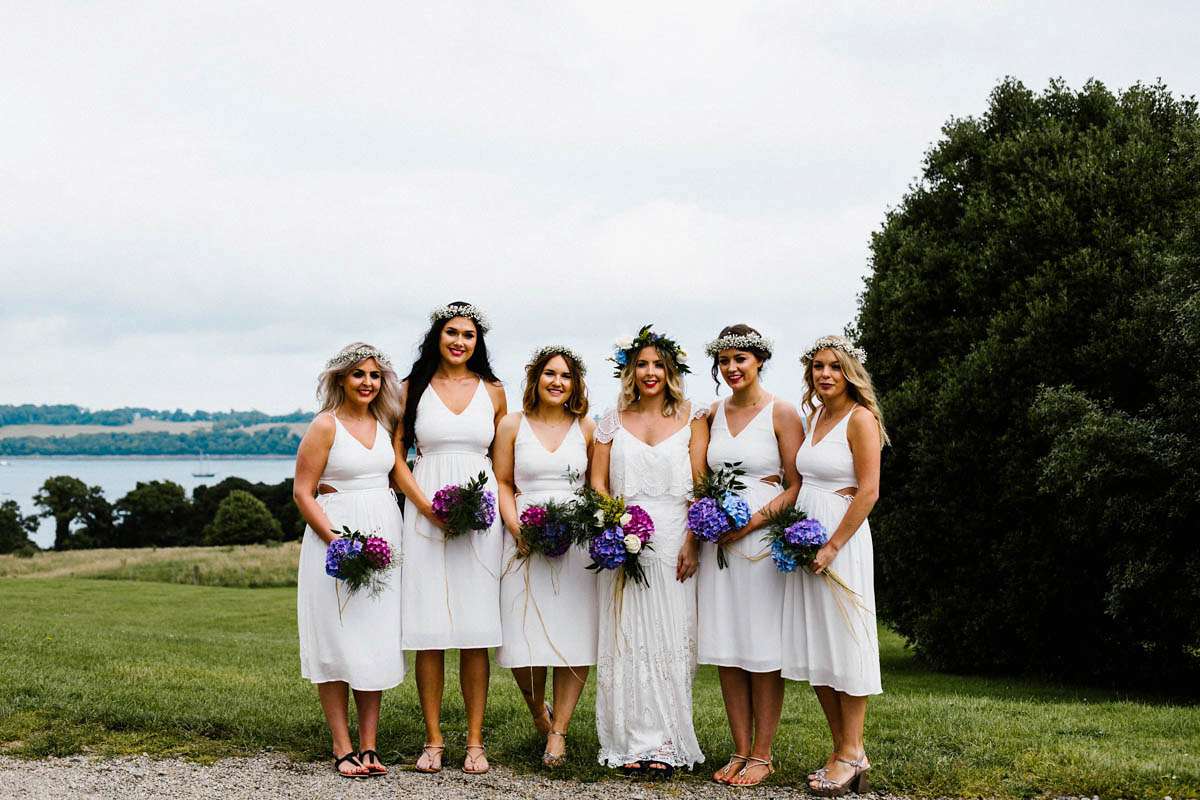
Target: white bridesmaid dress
(451, 586)
(362, 646)
(740, 607)
(646, 657)
(830, 639)
(547, 605)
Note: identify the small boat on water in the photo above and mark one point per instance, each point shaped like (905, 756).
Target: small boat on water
(205, 470)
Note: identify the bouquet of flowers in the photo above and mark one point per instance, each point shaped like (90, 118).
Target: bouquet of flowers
(795, 540)
(358, 561)
(468, 507)
(616, 534)
(546, 528)
(718, 508)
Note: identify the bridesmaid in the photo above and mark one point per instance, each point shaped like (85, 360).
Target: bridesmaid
(547, 605)
(452, 402)
(342, 468)
(739, 615)
(832, 641)
(649, 449)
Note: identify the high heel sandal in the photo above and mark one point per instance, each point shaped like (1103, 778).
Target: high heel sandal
(429, 752)
(723, 772)
(856, 783)
(550, 759)
(547, 714)
(758, 762)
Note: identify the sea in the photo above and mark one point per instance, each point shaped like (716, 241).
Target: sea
(21, 477)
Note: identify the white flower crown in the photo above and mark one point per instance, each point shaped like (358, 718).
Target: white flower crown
(562, 350)
(834, 343)
(359, 354)
(739, 341)
(473, 313)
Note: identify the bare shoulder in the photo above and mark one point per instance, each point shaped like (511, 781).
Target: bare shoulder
(863, 427)
(495, 390)
(321, 430)
(784, 413)
(509, 424)
(588, 426)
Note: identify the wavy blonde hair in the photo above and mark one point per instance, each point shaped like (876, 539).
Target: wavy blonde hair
(386, 405)
(673, 402)
(858, 383)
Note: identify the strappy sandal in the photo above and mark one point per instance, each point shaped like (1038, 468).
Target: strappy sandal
(856, 783)
(474, 759)
(429, 752)
(659, 770)
(372, 769)
(550, 759)
(633, 768)
(758, 762)
(350, 758)
(547, 714)
(722, 775)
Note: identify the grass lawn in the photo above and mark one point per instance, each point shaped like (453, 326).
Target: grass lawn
(110, 667)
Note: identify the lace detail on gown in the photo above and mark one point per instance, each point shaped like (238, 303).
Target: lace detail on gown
(606, 426)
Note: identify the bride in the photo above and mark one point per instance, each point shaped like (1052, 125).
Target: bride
(649, 449)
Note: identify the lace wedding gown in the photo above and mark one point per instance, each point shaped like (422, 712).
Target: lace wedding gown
(646, 656)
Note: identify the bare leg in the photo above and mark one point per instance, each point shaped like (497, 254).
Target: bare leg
(852, 712)
(568, 685)
(473, 670)
(431, 679)
(766, 698)
(827, 696)
(368, 704)
(735, 690)
(335, 699)
(532, 683)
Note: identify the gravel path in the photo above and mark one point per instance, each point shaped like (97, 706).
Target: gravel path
(271, 775)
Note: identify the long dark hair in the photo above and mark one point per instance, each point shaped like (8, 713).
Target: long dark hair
(428, 360)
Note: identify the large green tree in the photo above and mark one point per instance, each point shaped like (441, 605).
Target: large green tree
(1027, 323)
(242, 519)
(16, 528)
(154, 513)
(73, 503)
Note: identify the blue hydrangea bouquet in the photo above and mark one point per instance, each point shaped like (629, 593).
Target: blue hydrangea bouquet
(719, 507)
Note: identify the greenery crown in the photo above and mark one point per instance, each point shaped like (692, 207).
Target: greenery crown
(359, 354)
(627, 346)
(739, 341)
(834, 343)
(561, 350)
(471, 312)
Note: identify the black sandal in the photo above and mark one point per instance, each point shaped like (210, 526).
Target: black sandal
(633, 768)
(372, 769)
(659, 770)
(350, 758)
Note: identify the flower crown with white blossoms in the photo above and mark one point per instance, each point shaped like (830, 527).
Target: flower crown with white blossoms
(473, 313)
(628, 346)
(558, 350)
(359, 354)
(834, 343)
(739, 341)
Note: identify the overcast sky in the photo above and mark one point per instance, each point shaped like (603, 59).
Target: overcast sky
(202, 201)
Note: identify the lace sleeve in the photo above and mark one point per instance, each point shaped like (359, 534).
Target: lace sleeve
(699, 411)
(606, 427)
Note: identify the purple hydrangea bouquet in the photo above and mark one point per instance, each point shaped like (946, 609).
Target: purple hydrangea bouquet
(795, 540)
(718, 506)
(546, 528)
(469, 507)
(616, 534)
(358, 561)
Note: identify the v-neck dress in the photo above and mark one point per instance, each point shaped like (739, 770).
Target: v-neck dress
(451, 586)
(739, 607)
(646, 654)
(361, 646)
(547, 605)
(830, 639)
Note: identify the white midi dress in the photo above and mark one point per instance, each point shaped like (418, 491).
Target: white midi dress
(646, 657)
(361, 646)
(547, 605)
(739, 608)
(451, 586)
(830, 638)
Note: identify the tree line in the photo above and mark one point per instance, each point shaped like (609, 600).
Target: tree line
(275, 441)
(28, 414)
(154, 514)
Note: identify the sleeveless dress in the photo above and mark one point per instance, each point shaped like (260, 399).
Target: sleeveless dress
(828, 639)
(547, 606)
(646, 656)
(739, 607)
(451, 586)
(362, 647)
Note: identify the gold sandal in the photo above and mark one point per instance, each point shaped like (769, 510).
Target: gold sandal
(856, 783)
(551, 760)
(758, 762)
(723, 772)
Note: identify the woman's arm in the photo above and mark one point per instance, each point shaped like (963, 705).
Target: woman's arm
(402, 477)
(310, 463)
(862, 433)
(503, 449)
(598, 472)
(688, 559)
(789, 433)
(499, 411)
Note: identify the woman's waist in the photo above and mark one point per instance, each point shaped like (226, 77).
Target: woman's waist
(828, 486)
(461, 449)
(344, 485)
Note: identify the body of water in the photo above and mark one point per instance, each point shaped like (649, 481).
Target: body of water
(20, 478)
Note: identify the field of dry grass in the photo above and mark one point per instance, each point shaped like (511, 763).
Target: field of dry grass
(141, 426)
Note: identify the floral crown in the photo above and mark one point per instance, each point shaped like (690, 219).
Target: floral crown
(359, 354)
(739, 341)
(561, 350)
(834, 343)
(473, 313)
(627, 345)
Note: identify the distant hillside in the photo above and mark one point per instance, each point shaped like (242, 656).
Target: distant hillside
(77, 415)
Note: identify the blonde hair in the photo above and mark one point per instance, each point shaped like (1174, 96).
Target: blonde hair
(673, 400)
(386, 405)
(858, 381)
(577, 401)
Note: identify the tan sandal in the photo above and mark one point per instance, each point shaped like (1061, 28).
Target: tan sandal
(758, 762)
(857, 783)
(472, 760)
(430, 752)
(723, 774)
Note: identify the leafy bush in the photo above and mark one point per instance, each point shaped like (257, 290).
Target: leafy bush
(242, 519)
